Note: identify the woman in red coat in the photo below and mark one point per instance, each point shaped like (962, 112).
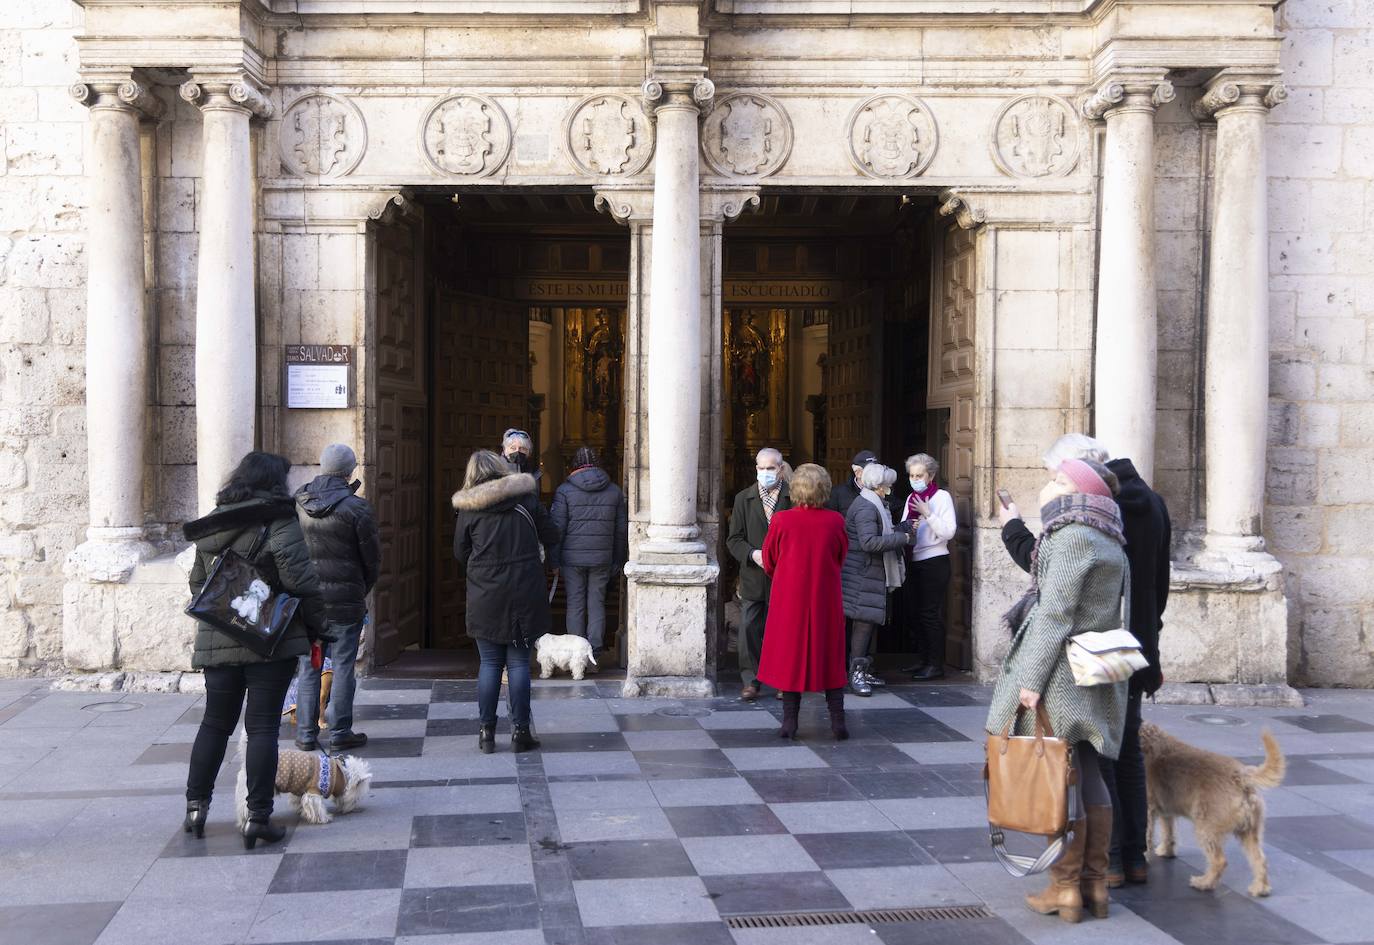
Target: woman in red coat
(803, 641)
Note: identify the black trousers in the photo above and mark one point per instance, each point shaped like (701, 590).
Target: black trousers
(925, 587)
(1125, 779)
(265, 684)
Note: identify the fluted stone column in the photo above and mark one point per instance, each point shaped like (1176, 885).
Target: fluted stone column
(1126, 360)
(1236, 383)
(116, 327)
(226, 336)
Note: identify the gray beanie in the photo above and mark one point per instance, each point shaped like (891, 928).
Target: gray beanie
(338, 459)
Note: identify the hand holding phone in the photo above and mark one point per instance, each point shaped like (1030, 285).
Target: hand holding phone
(1004, 497)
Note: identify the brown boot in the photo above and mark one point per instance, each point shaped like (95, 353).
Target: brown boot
(1096, 857)
(1062, 895)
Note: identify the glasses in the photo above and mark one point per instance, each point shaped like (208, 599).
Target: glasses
(514, 432)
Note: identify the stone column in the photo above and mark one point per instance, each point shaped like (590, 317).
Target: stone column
(1236, 369)
(116, 327)
(226, 319)
(1125, 366)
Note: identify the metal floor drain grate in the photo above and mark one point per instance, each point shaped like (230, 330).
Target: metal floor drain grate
(783, 920)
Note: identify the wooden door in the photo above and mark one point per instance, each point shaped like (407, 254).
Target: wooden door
(952, 359)
(481, 370)
(399, 490)
(852, 381)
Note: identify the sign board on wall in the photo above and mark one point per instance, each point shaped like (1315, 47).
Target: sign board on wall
(319, 377)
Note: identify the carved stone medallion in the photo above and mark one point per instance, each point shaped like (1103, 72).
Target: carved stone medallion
(322, 136)
(609, 134)
(1035, 136)
(465, 135)
(892, 137)
(746, 135)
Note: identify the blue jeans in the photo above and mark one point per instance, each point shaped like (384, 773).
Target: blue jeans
(515, 660)
(344, 652)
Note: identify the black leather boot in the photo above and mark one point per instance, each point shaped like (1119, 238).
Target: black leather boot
(791, 708)
(834, 702)
(261, 828)
(197, 812)
(522, 738)
(486, 739)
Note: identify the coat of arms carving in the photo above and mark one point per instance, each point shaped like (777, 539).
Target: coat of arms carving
(322, 136)
(609, 134)
(1035, 136)
(892, 137)
(467, 135)
(746, 135)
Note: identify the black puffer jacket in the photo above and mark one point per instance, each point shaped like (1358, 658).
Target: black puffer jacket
(843, 495)
(507, 597)
(341, 533)
(864, 577)
(590, 511)
(283, 558)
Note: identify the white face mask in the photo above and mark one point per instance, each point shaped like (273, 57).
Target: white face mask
(918, 485)
(1052, 491)
(768, 478)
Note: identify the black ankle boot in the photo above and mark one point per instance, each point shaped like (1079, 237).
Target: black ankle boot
(486, 739)
(197, 812)
(791, 708)
(522, 738)
(261, 829)
(834, 701)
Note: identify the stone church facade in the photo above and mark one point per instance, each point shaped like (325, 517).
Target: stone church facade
(1148, 219)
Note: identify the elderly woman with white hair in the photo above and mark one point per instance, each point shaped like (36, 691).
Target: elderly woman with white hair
(872, 568)
(518, 449)
(930, 509)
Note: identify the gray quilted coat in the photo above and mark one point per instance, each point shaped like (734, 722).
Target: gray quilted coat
(1081, 573)
(863, 578)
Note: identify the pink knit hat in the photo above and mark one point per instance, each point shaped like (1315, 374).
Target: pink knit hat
(1084, 478)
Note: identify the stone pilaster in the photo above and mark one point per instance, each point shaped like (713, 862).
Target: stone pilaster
(1125, 360)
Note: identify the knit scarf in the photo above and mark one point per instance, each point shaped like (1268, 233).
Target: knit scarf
(1095, 511)
(925, 495)
(893, 572)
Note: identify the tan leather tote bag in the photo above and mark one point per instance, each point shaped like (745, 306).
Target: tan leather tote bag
(1028, 781)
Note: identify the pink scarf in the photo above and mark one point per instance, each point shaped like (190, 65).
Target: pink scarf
(925, 495)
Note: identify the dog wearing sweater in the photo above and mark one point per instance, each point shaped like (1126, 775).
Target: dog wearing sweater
(309, 778)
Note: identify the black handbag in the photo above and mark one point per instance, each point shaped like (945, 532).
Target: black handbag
(239, 600)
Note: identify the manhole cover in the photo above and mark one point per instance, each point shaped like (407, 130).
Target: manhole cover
(112, 706)
(682, 712)
(1216, 719)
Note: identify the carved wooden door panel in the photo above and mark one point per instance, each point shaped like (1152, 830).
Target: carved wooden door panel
(400, 444)
(952, 398)
(481, 364)
(852, 382)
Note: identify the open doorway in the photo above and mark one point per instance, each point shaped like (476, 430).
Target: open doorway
(827, 313)
(494, 311)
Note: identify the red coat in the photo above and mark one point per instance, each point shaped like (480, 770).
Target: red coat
(803, 641)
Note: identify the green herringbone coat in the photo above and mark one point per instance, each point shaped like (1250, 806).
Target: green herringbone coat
(1081, 573)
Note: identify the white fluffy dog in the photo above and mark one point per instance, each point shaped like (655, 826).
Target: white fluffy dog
(563, 651)
(308, 778)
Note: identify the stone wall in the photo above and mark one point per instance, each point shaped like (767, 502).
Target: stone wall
(1320, 516)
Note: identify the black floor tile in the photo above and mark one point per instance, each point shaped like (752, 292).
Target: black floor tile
(687, 758)
(390, 748)
(628, 859)
(730, 820)
(904, 733)
(776, 787)
(340, 872)
(838, 851)
(222, 838)
(467, 830)
(456, 909)
(936, 697)
(965, 932)
(381, 682)
(672, 771)
(443, 727)
(747, 738)
(454, 690)
(176, 753)
(1304, 772)
(342, 941)
(1326, 724)
(693, 933)
(858, 754)
(1206, 918)
(582, 691)
(390, 712)
(961, 845)
(71, 923)
(774, 892)
(583, 741)
(653, 722)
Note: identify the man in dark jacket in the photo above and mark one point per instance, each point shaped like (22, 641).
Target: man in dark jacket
(1145, 520)
(755, 506)
(341, 533)
(590, 512)
(842, 496)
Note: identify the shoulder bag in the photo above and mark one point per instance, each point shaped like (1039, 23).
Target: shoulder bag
(530, 518)
(1110, 656)
(238, 599)
(1027, 780)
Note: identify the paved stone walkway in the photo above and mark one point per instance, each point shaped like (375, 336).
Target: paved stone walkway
(638, 823)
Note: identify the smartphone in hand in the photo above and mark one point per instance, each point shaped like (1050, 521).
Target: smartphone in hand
(1004, 497)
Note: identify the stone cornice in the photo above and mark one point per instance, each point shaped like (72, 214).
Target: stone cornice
(236, 92)
(1239, 90)
(1127, 92)
(119, 92)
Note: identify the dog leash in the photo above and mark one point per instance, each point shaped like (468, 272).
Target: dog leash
(553, 590)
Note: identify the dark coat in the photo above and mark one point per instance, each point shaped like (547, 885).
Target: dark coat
(341, 533)
(507, 597)
(590, 512)
(1148, 532)
(842, 495)
(748, 529)
(864, 576)
(283, 558)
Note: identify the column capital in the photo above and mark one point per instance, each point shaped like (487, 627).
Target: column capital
(727, 206)
(633, 206)
(120, 90)
(1127, 92)
(685, 91)
(233, 92)
(1239, 91)
(956, 205)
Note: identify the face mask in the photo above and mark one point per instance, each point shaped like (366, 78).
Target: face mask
(918, 485)
(519, 460)
(768, 478)
(1052, 491)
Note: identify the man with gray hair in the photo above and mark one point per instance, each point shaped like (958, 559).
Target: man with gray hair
(754, 508)
(341, 533)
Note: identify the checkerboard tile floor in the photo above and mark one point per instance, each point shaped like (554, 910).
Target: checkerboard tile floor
(639, 822)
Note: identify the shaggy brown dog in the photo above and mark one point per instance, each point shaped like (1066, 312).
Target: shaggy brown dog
(1218, 794)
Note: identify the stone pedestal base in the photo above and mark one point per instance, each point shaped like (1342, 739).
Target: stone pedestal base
(135, 624)
(669, 598)
(109, 555)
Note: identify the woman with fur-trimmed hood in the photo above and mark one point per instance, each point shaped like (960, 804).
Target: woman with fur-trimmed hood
(500, 539)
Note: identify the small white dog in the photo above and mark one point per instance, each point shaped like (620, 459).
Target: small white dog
(308, 778)
(563, 651)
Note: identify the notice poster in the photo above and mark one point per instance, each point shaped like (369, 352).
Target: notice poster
(318, 377)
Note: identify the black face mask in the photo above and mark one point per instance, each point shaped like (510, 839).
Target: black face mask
(519, 460)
